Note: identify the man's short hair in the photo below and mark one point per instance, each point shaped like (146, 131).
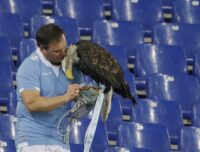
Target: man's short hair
(47, 34)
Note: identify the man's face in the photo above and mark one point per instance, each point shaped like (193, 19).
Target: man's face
(56, 51)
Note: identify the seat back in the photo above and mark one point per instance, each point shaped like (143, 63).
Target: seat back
(11, 28)
(160, 112)
(178, 35)
(126, 34)
(143, 136)
(6, 84)
(189, 139)
(186, 11)
(100, 140)
(84, 11)
(144, 12)
(7, 126)
(27, 46)
(119, 53)
(69, 26)
(24, 8)
(196, 115)
(151, 59)
(182, 89)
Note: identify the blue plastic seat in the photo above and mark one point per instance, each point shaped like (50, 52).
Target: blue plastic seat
(11, 27)
(76, 147)
(144, 12)
(7, 145)
(12, 105)
(48, 4)
(6, 53)
(24, 8)
(126, 34)
(152, 58)
(123, 149)
(114, 118)
(186, 11)
(196, 67)
(126, 103)
(150, 136)
(27, 46)
(196, 115)
(178, 35)
(7, 126)
(6, 84)
(160, 112)
(182, 89)
(69, 26)
(189, 139)
(84, 11)
(119, 53)
(100, 141)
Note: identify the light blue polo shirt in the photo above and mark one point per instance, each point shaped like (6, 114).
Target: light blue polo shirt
(40, 128)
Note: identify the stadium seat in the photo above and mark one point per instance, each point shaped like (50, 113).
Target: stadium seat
(11, 27)
(125, 149)
(6, 84)
(150, 136)
(196, 115)
(114, 118)
(182, 89)
(49, 5)
(152, 58)
(189, 139)
(7, 145)
(12, 104)
(69, 26)
(144, 12)
(24, 8)
(126, 34)
(6, 54)
(186, 11)
(167, 3)
(196, 68)
(160, 112)
(27, 46)
(7, 126)
(100, 141)
(119, 53)
(84, 11)
(76, 147)
(126, 103)
(178, 35)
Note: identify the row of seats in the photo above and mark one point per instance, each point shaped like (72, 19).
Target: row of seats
(145, 12)
(127, 34)
(156, 125)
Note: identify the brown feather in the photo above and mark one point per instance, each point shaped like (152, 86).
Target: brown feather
(100, 65)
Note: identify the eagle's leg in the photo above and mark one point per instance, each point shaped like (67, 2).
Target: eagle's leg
(107, 104)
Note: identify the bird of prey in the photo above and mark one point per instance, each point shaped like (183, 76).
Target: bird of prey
(96, 62)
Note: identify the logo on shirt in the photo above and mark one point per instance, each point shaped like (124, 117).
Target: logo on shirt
(34, 57)
(46, 73)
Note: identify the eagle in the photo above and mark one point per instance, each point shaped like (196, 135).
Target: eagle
(97, 63)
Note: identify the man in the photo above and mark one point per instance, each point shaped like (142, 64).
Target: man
(44, 94)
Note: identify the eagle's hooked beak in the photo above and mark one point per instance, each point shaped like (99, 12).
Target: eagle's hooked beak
(69, 73)
(67, 67)
(68, 61)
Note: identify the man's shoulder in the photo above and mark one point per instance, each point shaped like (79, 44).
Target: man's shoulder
(32, 60)
(30, 63)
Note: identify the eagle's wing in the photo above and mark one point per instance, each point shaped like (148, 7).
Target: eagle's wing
(96, 62)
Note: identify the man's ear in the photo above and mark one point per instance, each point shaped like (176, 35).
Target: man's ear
(43, 49)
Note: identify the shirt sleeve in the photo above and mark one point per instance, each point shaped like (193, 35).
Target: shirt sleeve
(28, 75)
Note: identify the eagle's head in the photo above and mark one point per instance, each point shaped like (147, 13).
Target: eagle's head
(69, 60)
